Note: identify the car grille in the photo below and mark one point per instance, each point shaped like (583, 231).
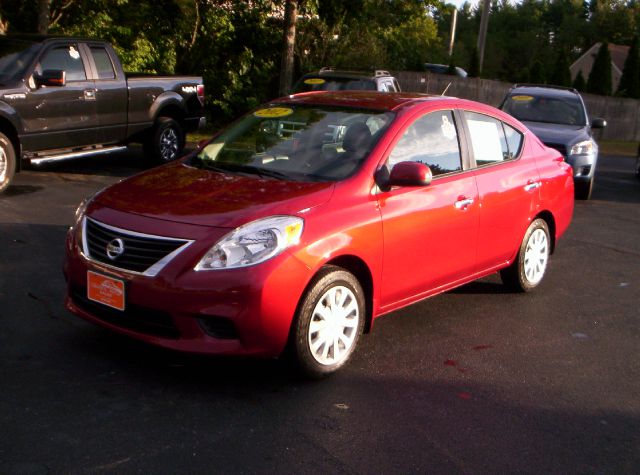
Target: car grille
(141, 253)
(558, 146)
(135, 318)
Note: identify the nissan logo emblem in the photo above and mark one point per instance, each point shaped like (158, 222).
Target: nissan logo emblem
(115, 249)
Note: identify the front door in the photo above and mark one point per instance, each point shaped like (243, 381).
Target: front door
(429, 232)
(60, 116)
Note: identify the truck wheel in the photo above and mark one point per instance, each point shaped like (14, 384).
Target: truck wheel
(166, 141)
(7, 162)
(328, 323)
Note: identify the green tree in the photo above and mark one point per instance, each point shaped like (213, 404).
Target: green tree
(630, 81)
(579, 82)
(561, 75)
(599, 81)
(474, 66)
(537, 73)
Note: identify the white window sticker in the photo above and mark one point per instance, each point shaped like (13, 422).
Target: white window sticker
(448, 129)
(486, 141)
(73, 52)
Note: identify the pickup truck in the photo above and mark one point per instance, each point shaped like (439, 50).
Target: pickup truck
(63, 98)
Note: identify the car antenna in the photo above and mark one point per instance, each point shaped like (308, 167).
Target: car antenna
(446, 89)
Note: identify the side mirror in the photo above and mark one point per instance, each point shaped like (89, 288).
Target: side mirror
(51, 78)
(404, 174)
(598, 123)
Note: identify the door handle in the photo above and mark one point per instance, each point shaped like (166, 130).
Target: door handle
(532, 185)
(90, 94)
(463, 203)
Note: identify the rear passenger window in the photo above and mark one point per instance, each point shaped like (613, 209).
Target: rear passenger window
(488, 139)
(432, 140)
(103, 63)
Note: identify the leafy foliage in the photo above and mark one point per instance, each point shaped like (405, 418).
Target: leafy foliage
(599, 81)
(630, 81)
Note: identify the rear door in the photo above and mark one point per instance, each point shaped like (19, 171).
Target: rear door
(110, 93)
(508, 187)
(429, 232)
(60, 116)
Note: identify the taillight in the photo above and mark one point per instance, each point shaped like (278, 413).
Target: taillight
(200, 92)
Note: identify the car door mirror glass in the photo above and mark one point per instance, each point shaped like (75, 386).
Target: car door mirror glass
(51, 78)
(598, 123)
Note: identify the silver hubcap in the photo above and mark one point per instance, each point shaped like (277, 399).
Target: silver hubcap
(536, 256)
(334, 325)
(3, 165)
(168, 144)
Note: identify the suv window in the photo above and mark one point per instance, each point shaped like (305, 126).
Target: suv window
(492, 141)
(66, 58)
(433, 140)
(103, 63)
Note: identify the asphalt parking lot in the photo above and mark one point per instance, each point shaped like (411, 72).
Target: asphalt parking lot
(472, 381)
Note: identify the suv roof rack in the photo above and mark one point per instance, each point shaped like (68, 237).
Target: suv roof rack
(381, 72)
(376, 72)
(548, 86)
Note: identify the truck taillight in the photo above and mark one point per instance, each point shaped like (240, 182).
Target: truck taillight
(200, 92)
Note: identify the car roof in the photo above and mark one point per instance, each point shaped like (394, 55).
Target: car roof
(389, 101)
(543, 91)
(37, 38)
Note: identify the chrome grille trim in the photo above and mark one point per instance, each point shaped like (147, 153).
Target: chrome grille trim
(152, 270)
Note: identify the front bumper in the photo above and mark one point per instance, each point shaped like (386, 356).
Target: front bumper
(584, 166)
(245, 311)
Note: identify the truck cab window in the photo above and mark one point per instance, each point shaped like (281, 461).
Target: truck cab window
(103, 63)
(66, 58)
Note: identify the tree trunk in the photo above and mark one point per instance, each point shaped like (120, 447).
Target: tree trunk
(44, 7)
(286, 68)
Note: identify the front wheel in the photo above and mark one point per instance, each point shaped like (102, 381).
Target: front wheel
(166, 141)
(583, 190)
(7, 162)
(329, 323)
(530, 265)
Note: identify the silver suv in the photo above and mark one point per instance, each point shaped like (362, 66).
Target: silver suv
(328, 79)
(558, 117)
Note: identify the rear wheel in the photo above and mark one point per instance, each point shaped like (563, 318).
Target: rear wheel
(530, 265)
(166, 141)
(7, 162)
(329, 323)
(583, 190)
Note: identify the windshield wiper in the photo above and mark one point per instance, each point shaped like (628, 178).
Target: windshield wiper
(261, 172)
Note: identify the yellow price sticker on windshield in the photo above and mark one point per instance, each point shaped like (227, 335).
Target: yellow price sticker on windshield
(273, 112)
(522, 98)
(313, 81)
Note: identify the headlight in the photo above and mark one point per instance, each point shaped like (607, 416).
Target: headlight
(253, 243)
(582, 148)
(82, 208)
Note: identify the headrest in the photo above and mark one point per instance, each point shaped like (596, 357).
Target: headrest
(357, 138)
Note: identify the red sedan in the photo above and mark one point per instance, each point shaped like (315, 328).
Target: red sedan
(304, 221)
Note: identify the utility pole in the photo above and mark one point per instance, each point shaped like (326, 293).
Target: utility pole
(454, 21)
(482, 36)
(286, 67)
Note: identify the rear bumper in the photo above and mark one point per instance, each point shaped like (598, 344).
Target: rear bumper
(195, 123)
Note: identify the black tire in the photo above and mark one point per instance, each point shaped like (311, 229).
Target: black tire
(166, 141)
(529, 267)
(7, 162)
(583, 190)
(336, 282)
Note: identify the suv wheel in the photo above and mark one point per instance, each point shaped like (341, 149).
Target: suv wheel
(583, 190)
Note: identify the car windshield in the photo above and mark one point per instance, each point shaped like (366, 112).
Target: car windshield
(553, 110)
(15, 56)
(296, 143)
(334, 84)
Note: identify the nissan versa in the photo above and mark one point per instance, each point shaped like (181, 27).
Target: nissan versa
(313, 215)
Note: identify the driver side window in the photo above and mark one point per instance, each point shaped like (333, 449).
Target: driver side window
(433, 140)
(64, 57)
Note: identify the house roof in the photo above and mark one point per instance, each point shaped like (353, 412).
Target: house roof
(585, 62)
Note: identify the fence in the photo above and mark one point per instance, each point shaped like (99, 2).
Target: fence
(622, 115)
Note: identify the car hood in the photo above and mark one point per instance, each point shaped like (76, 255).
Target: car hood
(181, 193)
(559, 134)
